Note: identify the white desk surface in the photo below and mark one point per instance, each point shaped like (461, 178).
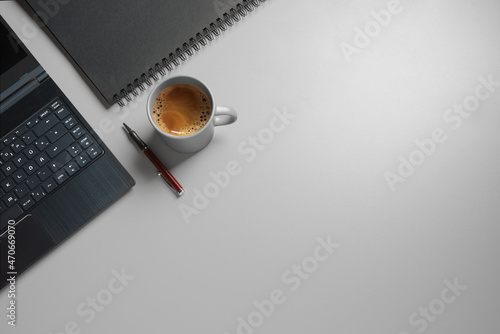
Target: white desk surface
(246, 259)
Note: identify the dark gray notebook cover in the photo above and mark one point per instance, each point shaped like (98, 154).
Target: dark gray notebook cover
(115, 42)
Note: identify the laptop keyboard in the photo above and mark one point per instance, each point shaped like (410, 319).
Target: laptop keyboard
(39, 156)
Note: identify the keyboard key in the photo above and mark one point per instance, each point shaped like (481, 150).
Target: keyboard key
(9, 199)
(32, 182)
(44, 173)
(85, 141)
(6, 153)
(45, 113)
(30, 151)
(28, 137)
(19, 175)
(60, 145)
(38, 194)
(49, 185)
(32, 122)
(60, 176)
(71, 168)
(74, 150)
(21, 130)
(45, 124)
(62, 113)
(42, 143)
(56, 104)
(11, 213)
(93, 151)
(77, 131)
(20, 160)
(42, 159)
(8, 184)
(8, 168)
(21, 190)
(56, 132)
(26, 203)
(55, 166)
(9, 139)
(30, 167)
(82, 159)
(17, 146)
(69, 122)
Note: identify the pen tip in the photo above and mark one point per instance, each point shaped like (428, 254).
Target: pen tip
(127, 127)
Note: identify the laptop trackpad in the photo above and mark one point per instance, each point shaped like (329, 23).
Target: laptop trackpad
(31, 243)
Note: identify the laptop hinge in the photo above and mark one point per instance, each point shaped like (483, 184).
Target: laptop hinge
(22, 91)
(42, 76)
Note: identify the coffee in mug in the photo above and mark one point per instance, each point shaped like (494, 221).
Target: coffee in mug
(181, 109)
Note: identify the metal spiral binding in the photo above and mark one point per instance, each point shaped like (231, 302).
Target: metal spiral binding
(186, 50)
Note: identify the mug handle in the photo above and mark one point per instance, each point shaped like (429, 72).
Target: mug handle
(224, 115)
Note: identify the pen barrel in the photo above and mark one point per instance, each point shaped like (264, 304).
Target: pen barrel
(169, 178)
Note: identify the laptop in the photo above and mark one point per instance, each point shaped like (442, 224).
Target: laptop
(55, 172)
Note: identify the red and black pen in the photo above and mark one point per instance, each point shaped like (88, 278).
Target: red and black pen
(162, 170)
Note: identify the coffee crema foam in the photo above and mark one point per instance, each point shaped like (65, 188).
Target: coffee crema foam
(181, 110)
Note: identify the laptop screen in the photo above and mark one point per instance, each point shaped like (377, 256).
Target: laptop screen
(12, 52)
(18, 66)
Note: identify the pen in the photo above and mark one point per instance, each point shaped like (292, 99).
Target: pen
(162, 170)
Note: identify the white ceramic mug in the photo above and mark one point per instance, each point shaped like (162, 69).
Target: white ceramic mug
(195, 142)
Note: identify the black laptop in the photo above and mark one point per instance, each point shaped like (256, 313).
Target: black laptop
(55, 172)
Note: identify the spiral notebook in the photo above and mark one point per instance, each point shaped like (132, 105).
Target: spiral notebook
(123, 46)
